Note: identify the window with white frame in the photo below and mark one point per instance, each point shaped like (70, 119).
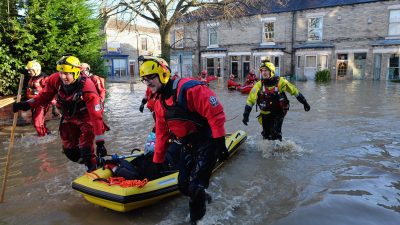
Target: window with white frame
(268, 31)
(212, 37)
(178, 40)
(315, 28)
(119, 67)
(144, 43)
(311, 61)
(394, 23)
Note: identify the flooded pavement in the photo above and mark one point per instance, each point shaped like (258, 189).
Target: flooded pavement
(338, 164)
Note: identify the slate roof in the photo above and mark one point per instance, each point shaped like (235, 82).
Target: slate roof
(272, 6)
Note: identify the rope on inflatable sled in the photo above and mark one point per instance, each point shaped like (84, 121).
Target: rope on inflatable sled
(120, 181)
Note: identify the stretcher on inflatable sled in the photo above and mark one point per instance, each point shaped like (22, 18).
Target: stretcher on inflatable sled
(124, 199)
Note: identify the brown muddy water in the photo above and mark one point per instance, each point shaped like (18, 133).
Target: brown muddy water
(338, 164)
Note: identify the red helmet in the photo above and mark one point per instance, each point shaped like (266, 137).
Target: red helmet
(204, 72)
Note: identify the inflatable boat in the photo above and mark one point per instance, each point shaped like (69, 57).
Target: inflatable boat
(246, 88)
(124, 199)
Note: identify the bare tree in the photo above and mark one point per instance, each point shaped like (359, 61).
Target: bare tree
(165, 13)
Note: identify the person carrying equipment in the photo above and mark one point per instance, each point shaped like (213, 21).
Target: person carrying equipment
(269, 95)
(82, 111)
(190, 111)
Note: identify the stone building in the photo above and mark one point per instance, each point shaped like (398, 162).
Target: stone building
(353, 39)
(125, 42)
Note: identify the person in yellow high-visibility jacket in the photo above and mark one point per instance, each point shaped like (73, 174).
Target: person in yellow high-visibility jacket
(269, 95)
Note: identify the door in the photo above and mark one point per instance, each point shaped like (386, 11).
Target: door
(342, 65)
(246, 70)
(132, 68)
(359, 65)
(377, 66)
(310, 67)
(234, 69)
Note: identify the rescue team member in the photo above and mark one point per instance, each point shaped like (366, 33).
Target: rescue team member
(175, 76)
(190, 111)
(232, 85)
(79, 102)
(35, 84)
(98, 81)
(149, 99)
(269, 94)
(251, 78)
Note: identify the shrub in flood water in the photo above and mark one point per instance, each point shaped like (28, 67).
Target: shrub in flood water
(323, 76)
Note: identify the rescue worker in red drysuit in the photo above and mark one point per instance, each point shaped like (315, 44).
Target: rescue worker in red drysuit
(251, 78)
(35, 84)
(190, 111)
(269, 95)
(232, 85)
(175, 76)
(148, 98)
(98, 81)
(203, 76)
(82, 112)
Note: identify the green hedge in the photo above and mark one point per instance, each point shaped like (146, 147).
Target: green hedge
(44, 32)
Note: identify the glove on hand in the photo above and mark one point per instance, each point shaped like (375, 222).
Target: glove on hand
(307, 107)
(303, 101)
(85, 157)
(141, 107)
(24, 106)
(101, 150)
(222, 151)
(246, 114)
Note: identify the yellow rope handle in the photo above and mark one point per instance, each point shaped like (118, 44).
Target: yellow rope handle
(3, 190)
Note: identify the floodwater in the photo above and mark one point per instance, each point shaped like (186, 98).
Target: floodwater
(338, 164)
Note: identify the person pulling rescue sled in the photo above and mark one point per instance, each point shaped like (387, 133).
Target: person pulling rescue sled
(269, 94)
(190, 111)
(82, 110)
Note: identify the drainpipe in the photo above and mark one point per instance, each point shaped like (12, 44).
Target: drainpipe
(293, 53)
(198, 47)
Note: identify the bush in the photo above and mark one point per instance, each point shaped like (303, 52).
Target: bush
(323, 75)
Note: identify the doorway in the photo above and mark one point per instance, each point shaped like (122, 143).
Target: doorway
(342, 65)
(246, 70)
(377, 66)
(359, 65)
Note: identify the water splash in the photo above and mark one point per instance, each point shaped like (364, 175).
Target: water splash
(29, 140)
(279, 149)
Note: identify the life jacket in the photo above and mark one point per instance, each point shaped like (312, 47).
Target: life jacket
(178, 111)
(35, 85)
(70, 102)
(271, 99)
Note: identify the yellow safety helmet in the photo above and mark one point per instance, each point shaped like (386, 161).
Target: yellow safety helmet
(154, 65)
(69, 64)
(35, 66)
(266, 64)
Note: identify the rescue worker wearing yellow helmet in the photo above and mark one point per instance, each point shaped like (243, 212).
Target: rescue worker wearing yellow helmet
(269, 95)
(188, 111)
(82, 111)
(37, 81)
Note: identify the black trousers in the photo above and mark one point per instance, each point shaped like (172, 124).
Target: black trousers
(272, 125)
(198, 158)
